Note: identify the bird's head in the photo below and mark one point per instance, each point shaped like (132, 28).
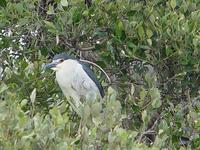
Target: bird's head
(58, 61)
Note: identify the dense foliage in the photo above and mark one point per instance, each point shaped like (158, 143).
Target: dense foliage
(150, 50)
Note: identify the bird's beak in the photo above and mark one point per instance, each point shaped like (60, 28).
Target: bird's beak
(50, 65)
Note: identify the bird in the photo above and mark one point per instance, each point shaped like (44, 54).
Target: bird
(76, 79)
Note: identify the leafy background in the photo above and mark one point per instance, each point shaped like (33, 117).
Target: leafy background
(150, 50)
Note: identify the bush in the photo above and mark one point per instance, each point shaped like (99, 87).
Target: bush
(150, 50)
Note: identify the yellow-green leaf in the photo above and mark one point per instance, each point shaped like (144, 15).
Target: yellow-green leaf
(149, 33)
(141, 32)
(156, 98)
(50, 26)
(144, 116)
(173, 3)
(118, 29)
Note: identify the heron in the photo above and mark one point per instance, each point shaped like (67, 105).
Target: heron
(75, 79)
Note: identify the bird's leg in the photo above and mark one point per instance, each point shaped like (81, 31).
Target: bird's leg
(79, 109)
(71, 104)
(78, 105)
(80, 128)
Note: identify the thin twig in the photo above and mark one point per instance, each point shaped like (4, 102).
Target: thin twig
(173, 78)
(86, 48)
(91, 47)
(60, 102)
(151, 130)
(97, 67)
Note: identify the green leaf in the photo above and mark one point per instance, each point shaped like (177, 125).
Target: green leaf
(149, 33)
(50, 26)
(118, 29)
(24, 102)
(85, 12)
(96, 108)
(112, 94)
(163, 125)
(76, 15)
(143, 94)
(117, 106)
(173, 3)
(56, 115)
(123, 135)
(152, 18)
(135, 108)
(149, 41)
(168, 51)
(141, 32)
(50, 10)
(19, 7)
(3, 3)
(109, 46)
(111, 138)
(156, 98)
(132, 45)
(150, 78)
(21, 118)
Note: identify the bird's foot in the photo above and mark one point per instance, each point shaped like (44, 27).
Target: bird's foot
(79, 132)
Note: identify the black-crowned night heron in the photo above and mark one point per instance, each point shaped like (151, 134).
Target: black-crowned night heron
(75, 79)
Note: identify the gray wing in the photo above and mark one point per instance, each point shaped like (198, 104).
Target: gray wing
(92, 76)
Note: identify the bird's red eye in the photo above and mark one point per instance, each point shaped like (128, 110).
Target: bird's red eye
(61, 60)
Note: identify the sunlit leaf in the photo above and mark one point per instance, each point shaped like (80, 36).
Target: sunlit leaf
(24, 102)
(149, 41)
(33, 96)
(132, 89)
(64, 2)
(112, 93)
(50, 10)
(144, 116)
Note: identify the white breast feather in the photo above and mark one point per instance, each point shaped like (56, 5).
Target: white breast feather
(74, 81)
